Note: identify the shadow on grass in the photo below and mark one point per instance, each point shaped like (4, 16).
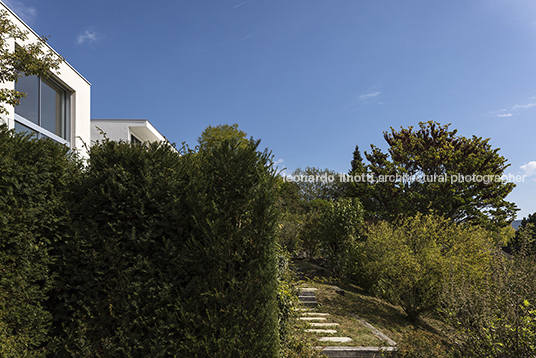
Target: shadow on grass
(389, 319)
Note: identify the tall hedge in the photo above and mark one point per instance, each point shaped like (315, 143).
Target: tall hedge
(228, 307)
(34, 176)
(172, 255)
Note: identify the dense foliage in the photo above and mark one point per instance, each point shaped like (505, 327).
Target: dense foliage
(315, 183)
(230, 299)
(433, 168)
(34, 176)
(407, 263)
(118, 282)
(333, 232)
(497, 318)
(171, 256)
(215, 135)
(525, 236)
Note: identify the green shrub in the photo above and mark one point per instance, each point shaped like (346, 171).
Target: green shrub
(407, 263)
(310, 236)
(289, 227)
(229, 306)
(333, 232)
(171, 256)
(497, 318)
(34, 176)
(118, 274)
(342, 226)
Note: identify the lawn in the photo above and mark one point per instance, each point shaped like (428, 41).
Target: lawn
(343, 309)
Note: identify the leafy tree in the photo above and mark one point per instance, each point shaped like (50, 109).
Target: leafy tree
(28, 59)
(433, 168)
(525, 236)
(291, 214)
(333, 231)
(315, 183)
(408, 262)
(213, 136)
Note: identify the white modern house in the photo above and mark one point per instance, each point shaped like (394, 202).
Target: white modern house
(128, 130)
(57, 107)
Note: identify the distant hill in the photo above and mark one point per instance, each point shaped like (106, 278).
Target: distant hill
(516, 223)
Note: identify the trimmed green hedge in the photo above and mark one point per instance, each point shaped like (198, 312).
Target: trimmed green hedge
(170, 256)
(144, 252)
(228, 306)
(34, 176)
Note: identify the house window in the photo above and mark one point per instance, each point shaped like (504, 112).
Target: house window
(43, 110)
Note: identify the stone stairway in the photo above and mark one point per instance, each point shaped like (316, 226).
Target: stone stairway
(308, 297)
(319, 323)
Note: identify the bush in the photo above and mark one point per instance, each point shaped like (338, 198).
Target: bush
(333, 232)
(497, 318)
(171, 256)
(341, 230)
(34, 176)
(228, 307)
(118, 273)
(288, 231)
(407, 263)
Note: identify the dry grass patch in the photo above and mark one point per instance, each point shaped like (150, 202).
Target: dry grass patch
(387, 318)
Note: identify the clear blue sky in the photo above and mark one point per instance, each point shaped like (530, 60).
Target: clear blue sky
(310, 78)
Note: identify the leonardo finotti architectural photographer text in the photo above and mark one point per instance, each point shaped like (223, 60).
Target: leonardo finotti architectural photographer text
(436, 178)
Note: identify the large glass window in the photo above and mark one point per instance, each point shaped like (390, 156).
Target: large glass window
(44, 109)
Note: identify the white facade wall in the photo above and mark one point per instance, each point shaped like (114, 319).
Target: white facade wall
(124, 129)
(78, 94)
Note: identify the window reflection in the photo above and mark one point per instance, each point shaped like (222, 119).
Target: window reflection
(52, 109)
(44, 105)
(29, 105)
(21, 128)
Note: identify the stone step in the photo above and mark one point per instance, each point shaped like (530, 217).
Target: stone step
(312, 318)
(335, 339)
(355, 352)
(307, 296)
(307, 293)
(324, 331)
(323, 324)
(314, 314)
(309, 303)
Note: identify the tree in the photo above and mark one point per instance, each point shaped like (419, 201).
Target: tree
(26, 60)
(433, 168)
(525, 236)
(407, 263)
(315, 183)
(212, 136)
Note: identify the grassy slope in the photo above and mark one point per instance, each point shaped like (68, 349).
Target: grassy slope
(387, 318)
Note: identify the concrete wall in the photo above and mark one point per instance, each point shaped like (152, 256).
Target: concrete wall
(123, 129)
